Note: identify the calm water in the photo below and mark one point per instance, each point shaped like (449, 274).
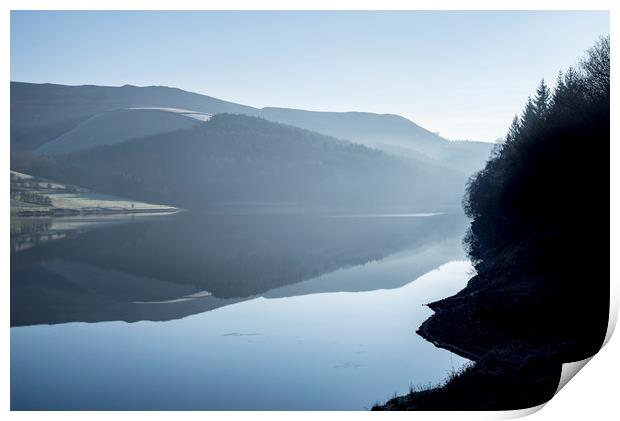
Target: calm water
(228, 311)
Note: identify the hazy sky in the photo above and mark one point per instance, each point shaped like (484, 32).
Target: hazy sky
(463, 74)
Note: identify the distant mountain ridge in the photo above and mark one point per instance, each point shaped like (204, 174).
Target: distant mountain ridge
(42, 113)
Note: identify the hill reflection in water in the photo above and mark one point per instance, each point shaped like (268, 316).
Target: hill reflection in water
(169, 266)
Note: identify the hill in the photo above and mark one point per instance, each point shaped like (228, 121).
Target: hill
(121, 125)
(236, 159)
(43, 113)
(388, 132)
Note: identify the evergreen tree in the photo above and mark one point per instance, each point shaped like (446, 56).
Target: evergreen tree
(572, 79)
(559, 89)
(529, 117)
(542, 100)
(513, 131)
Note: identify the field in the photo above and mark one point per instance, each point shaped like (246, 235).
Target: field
(36, 196)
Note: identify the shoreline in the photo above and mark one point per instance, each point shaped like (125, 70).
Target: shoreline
(60, 212)
(490, 322)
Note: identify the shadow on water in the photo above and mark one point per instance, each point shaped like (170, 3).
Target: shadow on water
(169, 266)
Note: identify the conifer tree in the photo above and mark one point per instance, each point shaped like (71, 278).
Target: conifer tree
(529, 117)
(513, 131)
(559, 90)
(542, 100)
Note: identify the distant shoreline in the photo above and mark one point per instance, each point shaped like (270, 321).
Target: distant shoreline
(77, 212)
(39, 197)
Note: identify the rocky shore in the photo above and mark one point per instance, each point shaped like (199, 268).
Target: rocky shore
(517, 331)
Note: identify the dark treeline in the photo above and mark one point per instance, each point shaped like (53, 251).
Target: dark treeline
(549, 165)
(543, 198)
(539, 239)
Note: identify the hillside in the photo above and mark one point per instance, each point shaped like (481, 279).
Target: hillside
(121, 125)
(235, 159)
(43, 113)
(388, 132)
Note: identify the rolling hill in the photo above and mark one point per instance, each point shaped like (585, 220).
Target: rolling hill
(70, 115)
(388, 132)
(43, 112)
(121, 125)
(241, 160)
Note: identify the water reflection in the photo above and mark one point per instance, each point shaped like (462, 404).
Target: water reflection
(262, 311)
(168, 267)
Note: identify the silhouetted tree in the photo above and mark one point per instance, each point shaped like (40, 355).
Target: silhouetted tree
(542, 100)
(529, 116)
(514, 130)
(596, 68)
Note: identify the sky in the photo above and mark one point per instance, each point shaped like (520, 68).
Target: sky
(462, 74)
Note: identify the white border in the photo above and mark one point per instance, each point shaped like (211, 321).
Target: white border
(309, 5)
(592, 394)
